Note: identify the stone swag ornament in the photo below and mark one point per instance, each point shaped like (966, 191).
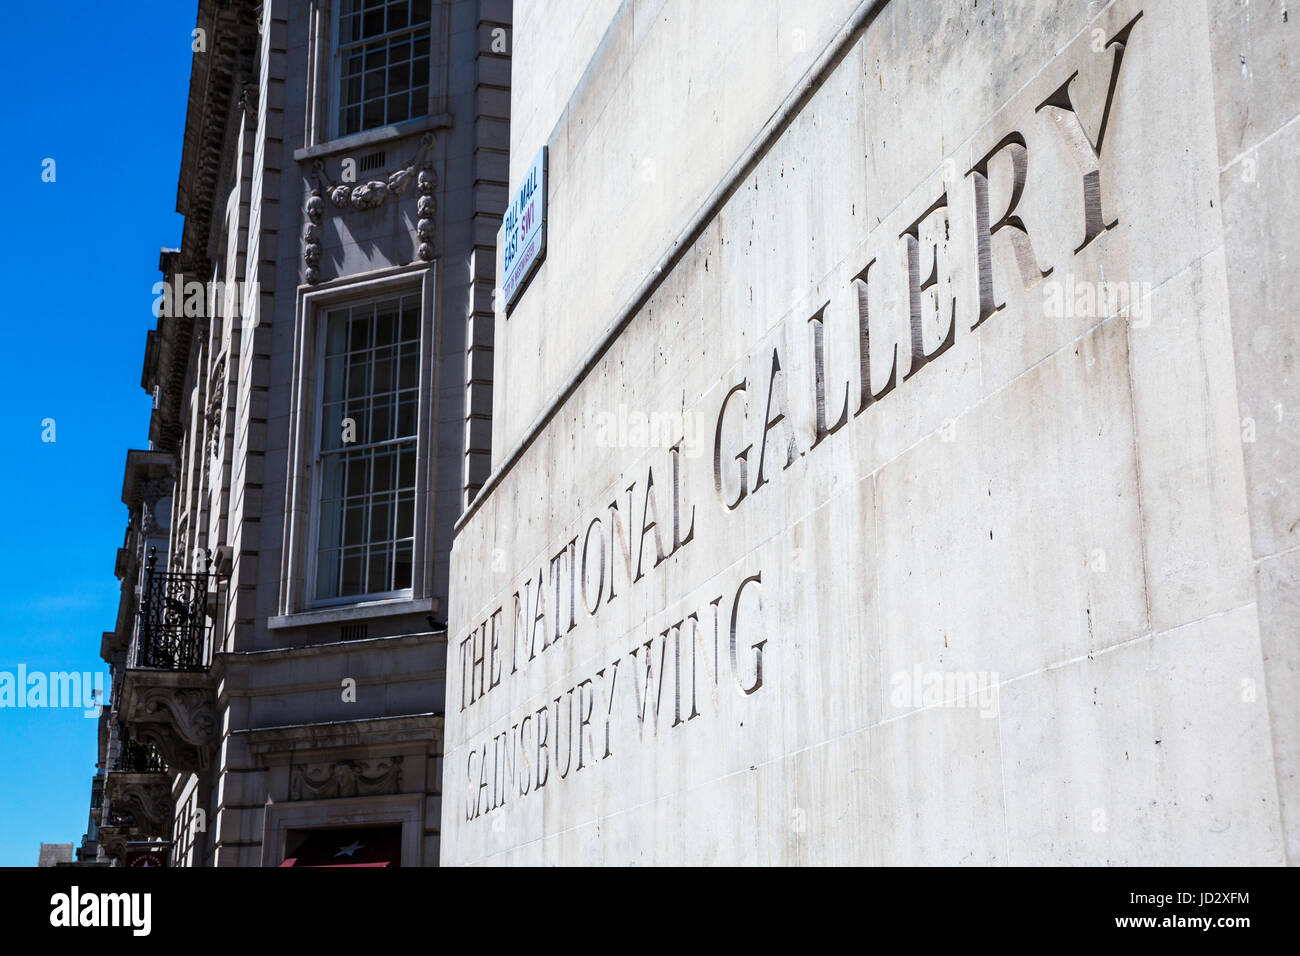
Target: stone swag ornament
(370, 195)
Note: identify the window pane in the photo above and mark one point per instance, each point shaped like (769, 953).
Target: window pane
(381, 423)
(354, 523)
(406, 414)
(384, 330)
(381, 521)
(405, 516)
(352, 89)
(359, 337)
(399, 55)
(331, 525)
(334, 376)
(397, 108)
(398, 16)
(331, 426)
(359, 374)
(357, 475)
(406, 467)
(336, 334)
(383, 377)
(327, 575)
(332, 484)
(379, 575)
(366, 506)
(410, 319)
(385, 469)
(402, 567)
(386, 52)
(354, 560)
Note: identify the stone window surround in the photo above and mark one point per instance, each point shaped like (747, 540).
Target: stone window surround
(404, 809)
(301, 491)
(323, 77)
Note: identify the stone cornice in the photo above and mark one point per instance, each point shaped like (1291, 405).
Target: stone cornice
(230, 35)
(231, 659)
(372, 731)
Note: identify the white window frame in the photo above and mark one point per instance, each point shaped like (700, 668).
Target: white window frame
(334, 105)
(303, 486)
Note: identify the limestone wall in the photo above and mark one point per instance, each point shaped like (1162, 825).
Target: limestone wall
(954, 454)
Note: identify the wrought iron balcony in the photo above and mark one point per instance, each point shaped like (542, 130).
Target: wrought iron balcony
(118, 818)
(134, 756)
(174, 631)
(137, 789)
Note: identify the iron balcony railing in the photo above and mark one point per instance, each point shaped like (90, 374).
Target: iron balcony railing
(118, 818)
(174, 628)
(134, 756)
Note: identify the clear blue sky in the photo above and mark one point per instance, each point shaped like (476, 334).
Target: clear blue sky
(102, 91)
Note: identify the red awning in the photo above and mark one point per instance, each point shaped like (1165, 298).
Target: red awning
(345, 847)
(293, 861)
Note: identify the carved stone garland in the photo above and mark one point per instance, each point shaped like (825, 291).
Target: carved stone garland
(370, 195)
(345, 778)
(214, 414)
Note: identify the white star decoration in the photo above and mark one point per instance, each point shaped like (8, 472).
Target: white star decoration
(349, 849)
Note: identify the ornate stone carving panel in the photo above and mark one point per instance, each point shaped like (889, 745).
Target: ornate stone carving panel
(174, 711)
(368, 195)
(147, 797)
(345, 778)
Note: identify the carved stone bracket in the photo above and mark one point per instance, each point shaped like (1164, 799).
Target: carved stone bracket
(192, 712)
(370, 195)
(113, 840)
(174, 711)
(175, 752)
(151, 492)
(345, 778)
(147, 797)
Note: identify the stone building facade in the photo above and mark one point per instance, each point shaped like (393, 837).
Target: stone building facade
(894, 457)
(322, 373)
